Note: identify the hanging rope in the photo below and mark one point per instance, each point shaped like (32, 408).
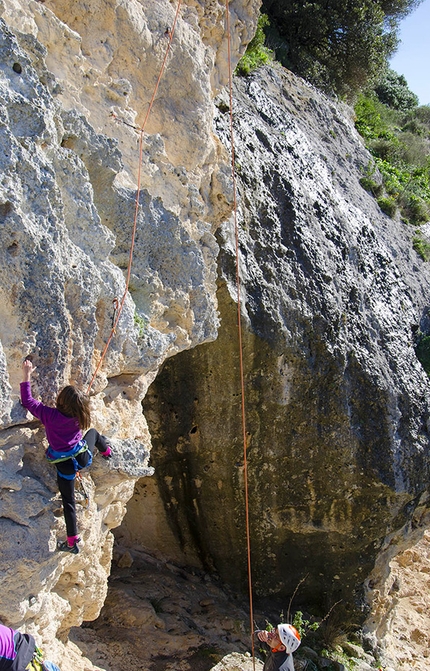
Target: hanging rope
(119, 306)
(239, 329)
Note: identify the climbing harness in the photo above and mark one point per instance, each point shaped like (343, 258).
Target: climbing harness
(36, 663)
(56, 457)
(239, 330)
(120, 307)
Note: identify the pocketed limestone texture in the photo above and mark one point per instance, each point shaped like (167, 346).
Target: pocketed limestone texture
(76, 79)
(332, 298)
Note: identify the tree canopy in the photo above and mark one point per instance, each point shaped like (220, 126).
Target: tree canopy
(338, 45)
(393, 90)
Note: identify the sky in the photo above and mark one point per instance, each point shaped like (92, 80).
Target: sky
(412, 58)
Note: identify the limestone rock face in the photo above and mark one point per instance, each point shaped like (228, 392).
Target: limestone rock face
(400, 618)
(76, 79)
(332, 293)
(336, 400)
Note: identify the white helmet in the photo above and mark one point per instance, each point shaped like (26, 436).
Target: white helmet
(289, 636)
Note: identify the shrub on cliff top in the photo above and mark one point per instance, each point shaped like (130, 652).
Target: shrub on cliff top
(256, 53)
(338, 46)
(393, 90)
(399, 142)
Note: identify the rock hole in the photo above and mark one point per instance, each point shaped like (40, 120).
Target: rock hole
(68, 142)
(13, 249)
(5, 209)
(194, 429)
(16, 67)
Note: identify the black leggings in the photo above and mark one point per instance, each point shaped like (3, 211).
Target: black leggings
(67, 487)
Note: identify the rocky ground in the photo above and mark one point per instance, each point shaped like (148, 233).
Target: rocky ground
(159, 616)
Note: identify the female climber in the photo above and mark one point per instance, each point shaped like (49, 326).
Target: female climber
(67, 449)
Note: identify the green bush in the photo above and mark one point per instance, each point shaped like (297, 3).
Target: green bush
(415, 127)
(421, 114)
(423, 353)
(413, 149)
(423, 249)
(256, 53)
(387, 149)
(394, 179)
(393, 91)
(387, 205)
(399, 142)
(303, 625)
(368, 119)
(416, 208)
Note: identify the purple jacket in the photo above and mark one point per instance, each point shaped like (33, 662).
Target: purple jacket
(16, 649)
(62, 432)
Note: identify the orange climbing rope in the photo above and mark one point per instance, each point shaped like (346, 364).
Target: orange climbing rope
(119, 305)
(239, 329)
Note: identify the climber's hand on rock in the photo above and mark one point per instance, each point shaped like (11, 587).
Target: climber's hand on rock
(27, 370)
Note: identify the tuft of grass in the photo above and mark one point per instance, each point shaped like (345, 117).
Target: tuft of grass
(371, 186)
(387, 205)
(340, 658)
(141, 323)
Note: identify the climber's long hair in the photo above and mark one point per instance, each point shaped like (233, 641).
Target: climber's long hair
(75, 403)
